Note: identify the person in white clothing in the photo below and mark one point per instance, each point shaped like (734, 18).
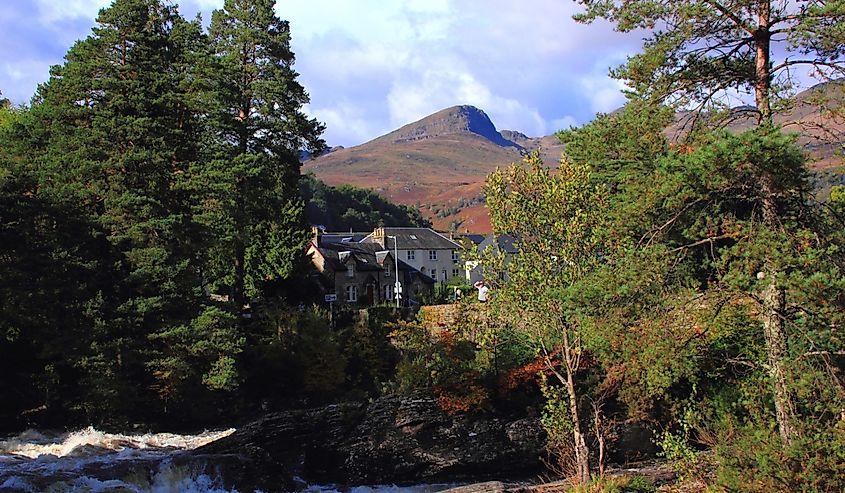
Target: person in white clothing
(482, 291)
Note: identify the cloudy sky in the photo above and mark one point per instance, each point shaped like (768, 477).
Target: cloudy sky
(371, 66)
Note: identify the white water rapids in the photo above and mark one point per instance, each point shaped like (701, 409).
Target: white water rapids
(34, 462)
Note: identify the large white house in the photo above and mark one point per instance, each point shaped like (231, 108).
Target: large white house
(424, 249)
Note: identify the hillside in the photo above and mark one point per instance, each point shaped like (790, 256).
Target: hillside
(348, 208)
(440, 162)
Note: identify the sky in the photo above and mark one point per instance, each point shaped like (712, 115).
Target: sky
(371, 66)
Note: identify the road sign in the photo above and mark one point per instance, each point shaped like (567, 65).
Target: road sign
(330, 298)
(398, 287)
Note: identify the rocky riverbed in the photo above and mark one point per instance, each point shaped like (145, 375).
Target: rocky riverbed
(392, 440)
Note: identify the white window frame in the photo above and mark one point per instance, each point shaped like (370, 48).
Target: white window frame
(351, 293)
(454, 255)
(432, 254)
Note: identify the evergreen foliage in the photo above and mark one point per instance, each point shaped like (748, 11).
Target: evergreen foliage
(132, 191)
(251, 206)
(347, 208)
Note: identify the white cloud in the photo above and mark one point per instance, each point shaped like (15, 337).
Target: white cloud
(18, 80)
(345, 123)
(51, 11)
(422, 91)
(563, 123)
(371, 65)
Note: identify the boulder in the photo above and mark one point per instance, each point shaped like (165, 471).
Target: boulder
(394, 439)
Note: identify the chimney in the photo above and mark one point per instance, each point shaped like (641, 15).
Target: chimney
(378, 236)
(316, 235)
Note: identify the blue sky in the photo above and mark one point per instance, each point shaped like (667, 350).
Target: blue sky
(371, 66)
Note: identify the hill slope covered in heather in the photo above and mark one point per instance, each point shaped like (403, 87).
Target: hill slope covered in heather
(440, 162)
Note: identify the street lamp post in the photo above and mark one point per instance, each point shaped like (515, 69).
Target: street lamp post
(397, 286)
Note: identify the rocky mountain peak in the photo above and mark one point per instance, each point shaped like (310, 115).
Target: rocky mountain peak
(463, 119)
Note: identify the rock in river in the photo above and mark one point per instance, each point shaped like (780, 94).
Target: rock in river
(394, 439)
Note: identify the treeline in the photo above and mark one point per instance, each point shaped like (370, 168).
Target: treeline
(348, 208)
(149, 194)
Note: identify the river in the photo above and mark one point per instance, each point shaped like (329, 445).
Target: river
(90, 460)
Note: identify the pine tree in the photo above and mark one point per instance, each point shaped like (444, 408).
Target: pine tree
(114, 131)
(252, 209)
(697, 55)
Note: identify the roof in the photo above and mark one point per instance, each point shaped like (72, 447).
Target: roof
(326, 238)
(367, 257)
(337, 256)
(505, 243)
(414, 239)
(475, 238)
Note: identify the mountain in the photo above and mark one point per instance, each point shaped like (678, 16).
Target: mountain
(438, 163)
(818, 131)
(457, 120)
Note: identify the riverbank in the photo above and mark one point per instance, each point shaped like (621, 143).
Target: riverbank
(394, 440)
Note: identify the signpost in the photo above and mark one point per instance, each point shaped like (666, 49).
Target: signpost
(397, 289)
(330, 299)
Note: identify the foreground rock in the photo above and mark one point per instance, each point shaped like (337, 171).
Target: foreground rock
(394, 439)
(654, 474)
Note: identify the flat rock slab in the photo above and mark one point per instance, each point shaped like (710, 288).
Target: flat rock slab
(393, 439)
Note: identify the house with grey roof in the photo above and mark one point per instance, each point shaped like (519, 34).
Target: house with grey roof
(431, 253)
(364, 273)
(492, 245)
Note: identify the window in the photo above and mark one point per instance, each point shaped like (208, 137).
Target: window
(386, 269)
(388, 292)
(411, 254)
(454, 255)
(433, 274)
(455, 272)
(352, 293)
(350, 269)
(445, 277)
(432, 254)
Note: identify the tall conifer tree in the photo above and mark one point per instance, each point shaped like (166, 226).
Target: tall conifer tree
(114, 130)
(698, 55)
(253, 209)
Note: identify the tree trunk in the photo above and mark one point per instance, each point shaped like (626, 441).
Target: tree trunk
(763, 75)
(238, 284)
(774, 297)
(598, 423)
(774, 301)
(582, 452)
